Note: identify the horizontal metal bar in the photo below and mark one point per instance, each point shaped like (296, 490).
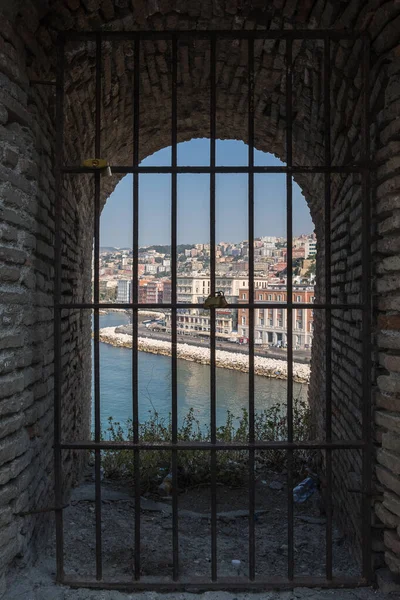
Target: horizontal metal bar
(39, 511)
(223, 583)
(207, 446)
(184, 305)
(256, 34)
(123, 170)
(42, 82)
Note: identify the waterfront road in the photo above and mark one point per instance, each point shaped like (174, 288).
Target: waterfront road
(299, 356)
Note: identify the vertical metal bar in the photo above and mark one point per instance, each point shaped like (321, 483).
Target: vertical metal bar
(366, 320)
(57, 311)
(174, 364)
(328, 312)
(135, 300)
(289, 270)
(213, 398)
(96, 297)
(252, 544)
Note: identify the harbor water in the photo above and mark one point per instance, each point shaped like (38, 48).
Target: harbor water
(193, 385)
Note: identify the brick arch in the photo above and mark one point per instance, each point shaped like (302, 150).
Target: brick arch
(27, 35)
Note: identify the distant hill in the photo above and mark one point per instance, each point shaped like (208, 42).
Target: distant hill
(112, 249)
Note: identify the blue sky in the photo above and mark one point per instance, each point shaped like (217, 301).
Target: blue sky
(193, 200)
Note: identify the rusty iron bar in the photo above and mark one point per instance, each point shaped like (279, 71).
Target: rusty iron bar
(237, 34)
(58, 221)
(184, 305)
(250, 218)
(213, 374)
(39, 511)
(42, 82)
(367, 456)
(96, 315)
(135, 299)
(328, 314)
(124, 170)
(225, 583)
(289, 271)
(174, 339)
(258, 445)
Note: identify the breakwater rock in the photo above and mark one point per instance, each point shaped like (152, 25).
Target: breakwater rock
(266, 367)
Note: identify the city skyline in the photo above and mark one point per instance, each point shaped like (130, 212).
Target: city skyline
(193, 215)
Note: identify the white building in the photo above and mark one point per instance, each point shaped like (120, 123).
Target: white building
(151, 269)
(270, 324)
(310, 248)
(193, 289)
(192, 321)
(124, 291)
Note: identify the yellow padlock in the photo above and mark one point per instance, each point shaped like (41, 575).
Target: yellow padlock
(95, 163)
(217, 301)
(98, 163)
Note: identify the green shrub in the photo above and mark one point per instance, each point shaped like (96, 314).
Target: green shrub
(194, 465)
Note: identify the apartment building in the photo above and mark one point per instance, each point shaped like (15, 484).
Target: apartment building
(194, 289)
(198, 320)
(124, 291)
(270, 324)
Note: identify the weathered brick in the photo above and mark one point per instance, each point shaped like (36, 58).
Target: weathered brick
(388, 420)
(391, 441)
(13, 446)
(392, 502)
(392, 541)
(388, 518)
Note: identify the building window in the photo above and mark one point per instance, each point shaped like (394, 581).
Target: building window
(269, 296)
(260, 296)
(298, 298)
(279, 298)
(243, 320)
(243, 296)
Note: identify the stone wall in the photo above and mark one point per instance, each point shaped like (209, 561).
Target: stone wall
(27, 50)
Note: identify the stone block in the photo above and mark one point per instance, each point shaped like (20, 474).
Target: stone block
(393, 562)
(391, 441)
(389, 519)
(392, 502)
(387, 478)
(13, 446)
(388, 420)
(3, 114)
(386, 582)
(392, 541)
(11, 385)
(12, 255)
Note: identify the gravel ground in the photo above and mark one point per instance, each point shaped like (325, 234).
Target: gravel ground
(37, 583)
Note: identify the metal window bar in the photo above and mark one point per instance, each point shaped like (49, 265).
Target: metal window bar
(329, 445)
(96, 297)
(213, 382)
(174, 259)
(328, 313)
(289, 332)
(250, 133)
(135, 298)
(366, 320)
(58, 219)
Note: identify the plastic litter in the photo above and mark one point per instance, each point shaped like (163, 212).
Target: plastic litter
(236, 564)
(305, 489)
(165, 488)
